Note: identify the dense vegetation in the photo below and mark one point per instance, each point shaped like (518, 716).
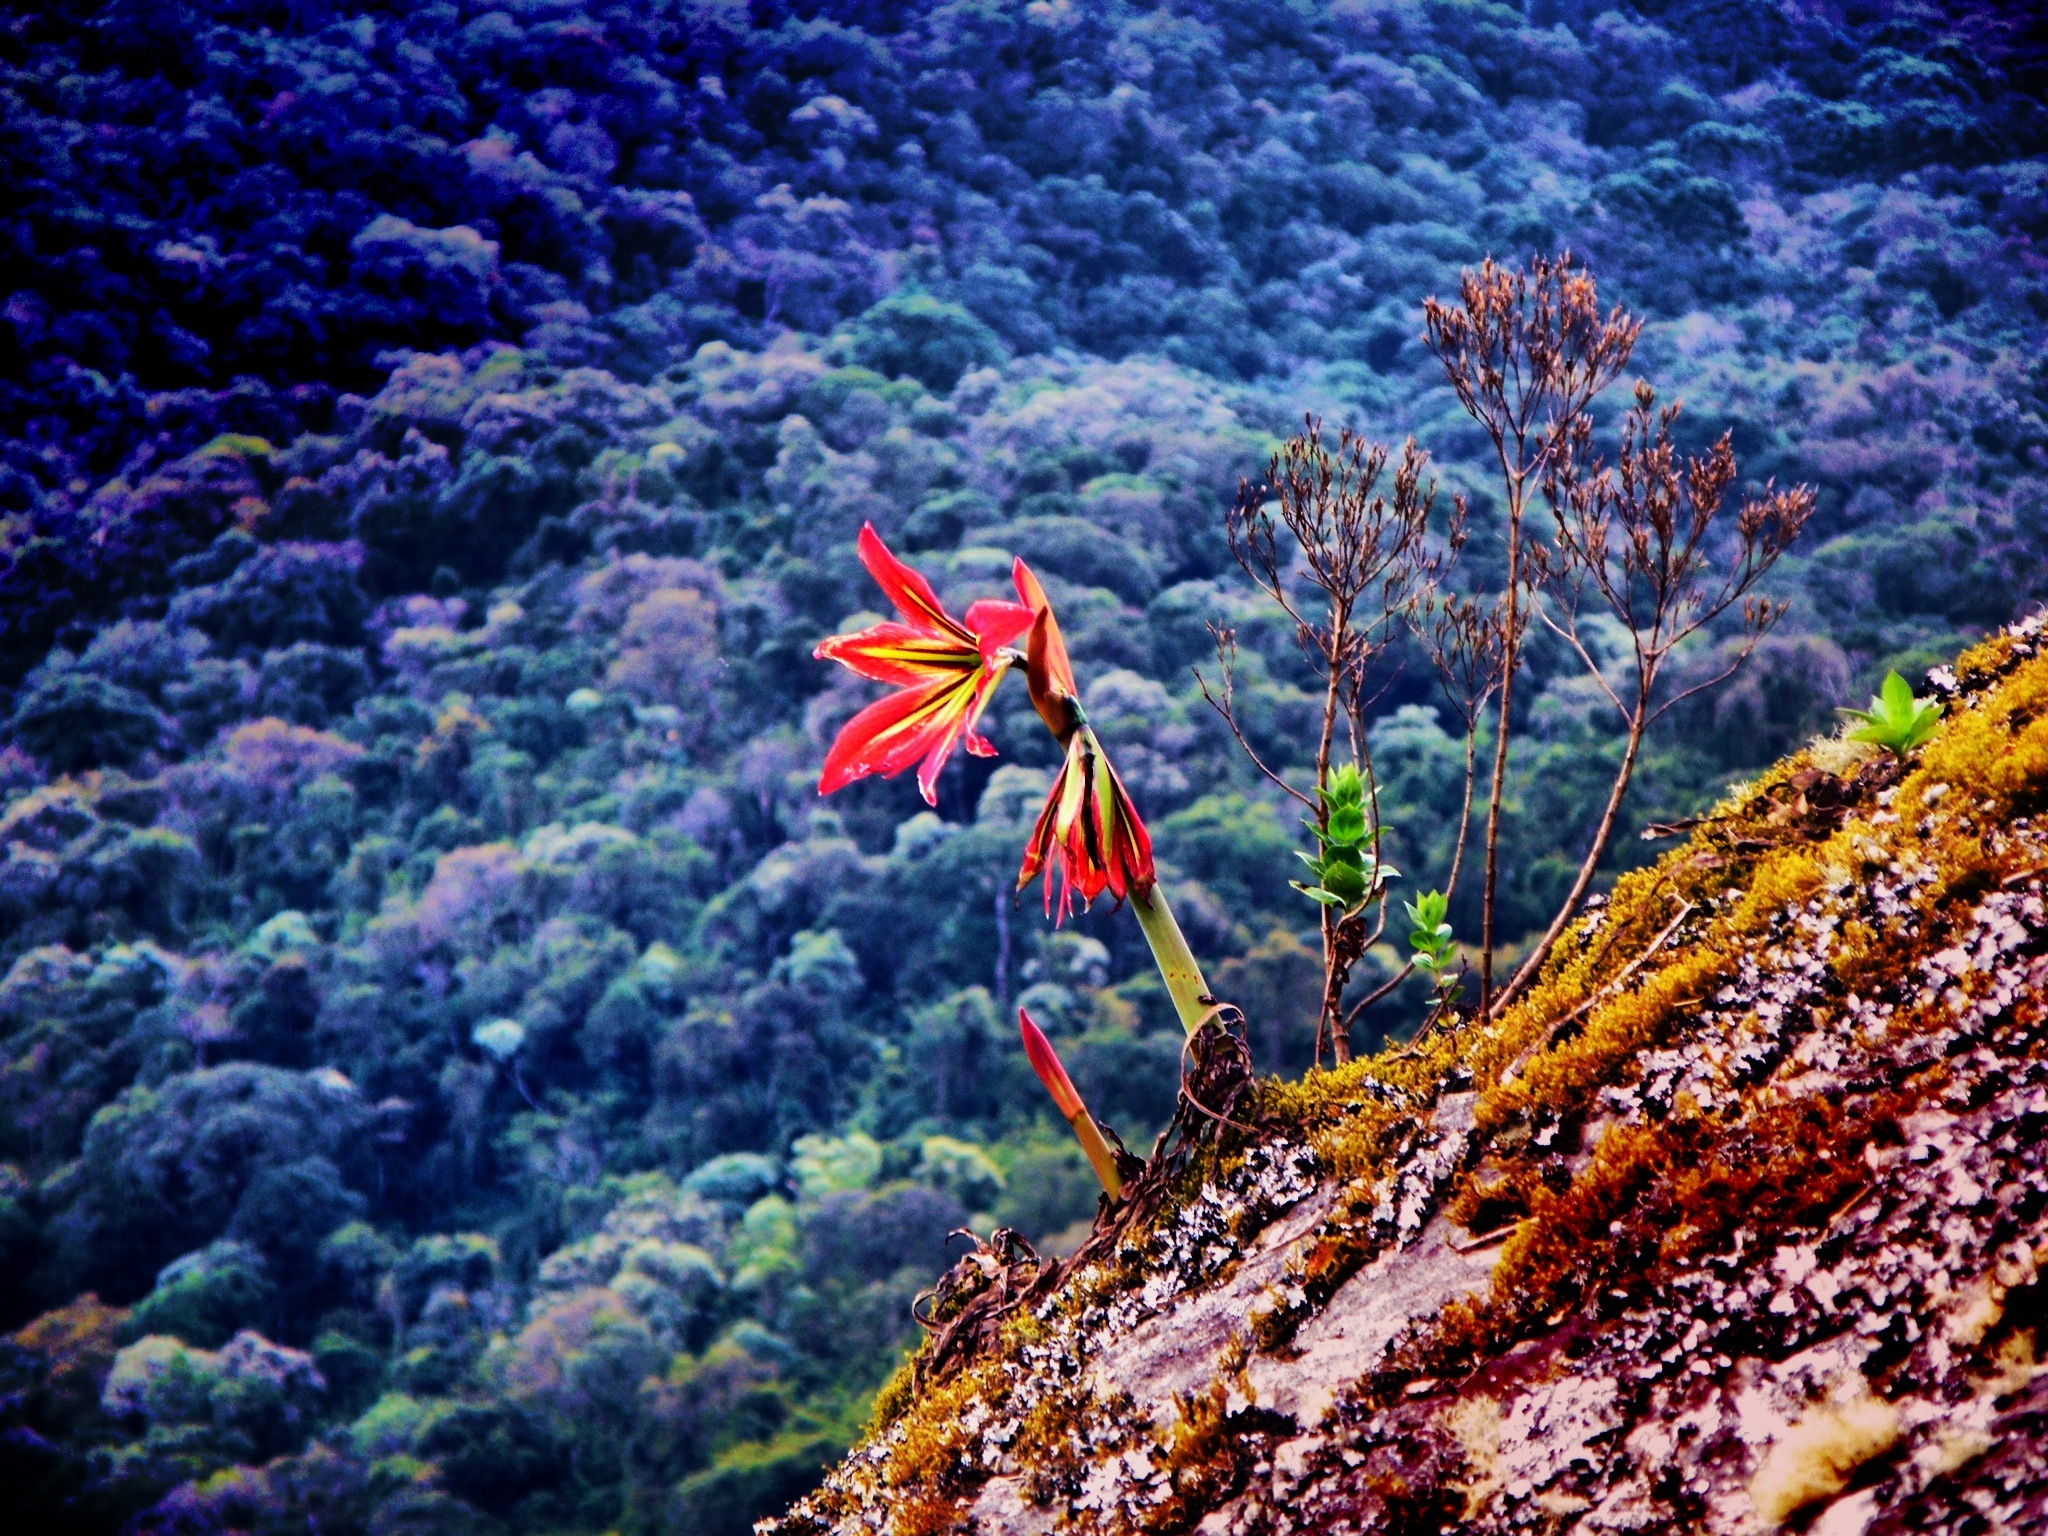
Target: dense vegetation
(456, 1075)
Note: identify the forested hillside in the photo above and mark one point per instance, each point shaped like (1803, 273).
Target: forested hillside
(455, 1073)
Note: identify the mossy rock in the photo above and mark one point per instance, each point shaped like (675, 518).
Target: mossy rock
(1736, 1219)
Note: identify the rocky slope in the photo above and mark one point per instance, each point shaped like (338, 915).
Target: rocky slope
(1734, 1224)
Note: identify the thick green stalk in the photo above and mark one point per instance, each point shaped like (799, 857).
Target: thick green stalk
(1096, 1148)
(1177, 967)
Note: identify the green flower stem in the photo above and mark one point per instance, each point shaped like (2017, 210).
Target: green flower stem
(1177, 967)
(1100, 1158)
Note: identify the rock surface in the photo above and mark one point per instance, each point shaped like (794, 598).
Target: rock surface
(1735, 1223)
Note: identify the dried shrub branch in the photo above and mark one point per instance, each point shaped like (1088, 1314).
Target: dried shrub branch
(1638, 540)
(1345, 562)
(1526, 353)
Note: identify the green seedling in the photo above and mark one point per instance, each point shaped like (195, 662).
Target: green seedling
(1896, 720)
(1433, 947)
(1349, 873)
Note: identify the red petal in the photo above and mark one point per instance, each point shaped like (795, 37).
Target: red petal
(910, 592)
(1029, 592)
(1082, 871)
(1136, 845)
(903, 654)
(1051, 671)
(1068, 809)
(1042, 852)
(1125, 845)
(996, 623)
(977, 744)
(896, 730)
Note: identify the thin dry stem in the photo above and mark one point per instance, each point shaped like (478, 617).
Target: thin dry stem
(1344, 561)
(1465, 639)
(1638, 540)
(1525, 352)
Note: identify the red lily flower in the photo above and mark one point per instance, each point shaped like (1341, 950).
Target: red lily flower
(1089, 833)
(944, 670)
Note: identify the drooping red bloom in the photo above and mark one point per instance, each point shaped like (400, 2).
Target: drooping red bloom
(1088, 836)
(943, 669)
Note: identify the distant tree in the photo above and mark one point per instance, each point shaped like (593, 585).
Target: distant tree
(930, 340)
(73, 720)
(208, 1295)
(168, 1168)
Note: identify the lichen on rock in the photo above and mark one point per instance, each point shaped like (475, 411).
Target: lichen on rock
(1734, 1223)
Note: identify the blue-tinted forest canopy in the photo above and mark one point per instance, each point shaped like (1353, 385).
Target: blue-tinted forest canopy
(455, 1075)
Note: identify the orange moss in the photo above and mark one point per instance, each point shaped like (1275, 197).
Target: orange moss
(1864, 960)
(1986, 661)
(1201, 1459)
(1999, 750)
(1490, 1198)
(1650, 1201)
(926, 1514)
(1204, 1459)
(1560, 1080)
(895, 1394)
(932, 1452)
(1054, 1438)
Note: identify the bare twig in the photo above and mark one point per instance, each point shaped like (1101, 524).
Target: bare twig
(1466, 641)
(1378, 992)
(1486, 1239)
(1685, 910)
(1224, 701)
(1524, 352)
(1637, 538)
(1343, 561)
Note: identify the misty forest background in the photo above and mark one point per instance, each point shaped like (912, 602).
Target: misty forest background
(455, 1075)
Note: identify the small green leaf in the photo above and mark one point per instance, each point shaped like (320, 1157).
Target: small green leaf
(1347, 885)
(1896, 720)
